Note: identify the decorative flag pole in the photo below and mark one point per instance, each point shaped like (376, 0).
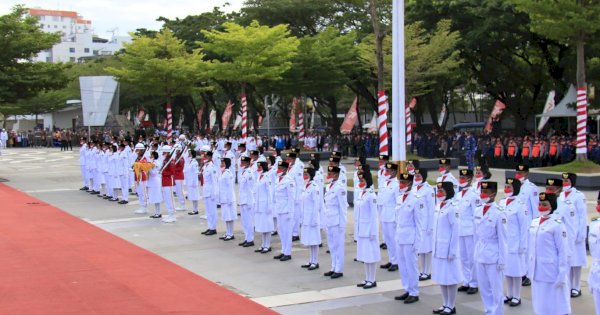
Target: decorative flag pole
(398, 90)
(301, 126)
(408, 126)
(581, 120)
(244, 117)
(382, 119)
(169, 122)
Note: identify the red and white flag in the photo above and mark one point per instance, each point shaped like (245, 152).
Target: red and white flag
(547, 108)
(199, 116)
(169, 122)
(238, 120)
(226, 115)
(139, 117)
(494, 115)
(244, 117)
(260, 119)
(442, 115)
(293, 115)
(350, 119)
(212, 119)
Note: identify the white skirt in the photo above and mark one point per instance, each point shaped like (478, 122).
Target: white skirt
(193, 194)
(426, 244)
(446, 272)
(548, 300)
(594, 277)
(368, 250)
(310, 235)
(263, 222)
(115, 183)
(579, 255)
(515, 265)
(155, 194)
(228, 212)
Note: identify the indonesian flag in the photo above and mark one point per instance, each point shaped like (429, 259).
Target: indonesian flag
(226, 115)
(350, 118)
(199, 116)
(293, 115)
(372, 126)
(547, 108)
(494, 115)
(412, 103)
(212, 118)
(238, 120)
(260, 119)
(442, 115)
(138, 118)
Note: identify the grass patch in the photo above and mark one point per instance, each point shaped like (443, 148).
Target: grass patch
(576, 167)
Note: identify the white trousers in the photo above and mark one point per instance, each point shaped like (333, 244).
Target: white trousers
(596, 294)
(179, 191)
(140, 189)
(467, 252)
(389, 238)
(335, 242)
(124, 179)
(168, 199)
(211, 212)
(84, 175)
(247, 216)
(285, 223)
(407, 265)
(491, 288)
(297, 215)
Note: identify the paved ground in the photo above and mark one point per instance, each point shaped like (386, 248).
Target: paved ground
(53, 177)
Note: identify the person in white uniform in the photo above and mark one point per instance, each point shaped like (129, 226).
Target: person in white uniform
(529, 196)
(412, 166)
(358, 163)
(381, 179)
(141, 179)
(154, 185)
(273, 175)
(263, 218)
(123, 170)
(368, 250)
(446, 264)
(336, 160)
(296, 169)
(335, 219)
(407, 239)
(82, 167)
(386, 203)
(594, 243)
(548, 262)
(310, 206)
(426, 198)
(445, 174)
(490, 249)
(191, 181)
(283, 200)
(572, 210)
(517, 223)
(246, 187)
(468, 200)
(210, 190)
(227, 198)
(179, 176)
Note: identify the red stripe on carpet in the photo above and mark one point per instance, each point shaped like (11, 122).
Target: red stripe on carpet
(54, 263)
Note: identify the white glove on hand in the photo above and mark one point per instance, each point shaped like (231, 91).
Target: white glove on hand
(559, 284)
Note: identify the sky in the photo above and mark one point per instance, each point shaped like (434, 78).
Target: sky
(126, 15)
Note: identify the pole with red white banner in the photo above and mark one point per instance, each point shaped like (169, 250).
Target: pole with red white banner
(581, 120)
(244, 117)
(169, 122)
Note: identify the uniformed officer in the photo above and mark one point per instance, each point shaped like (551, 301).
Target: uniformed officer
(319, 177)
(482, 173)
(82, 160)
(166, 173)
(529, 196)
(386, 202)
(408, 238)
(179, 177)
(227, 198)
(231, 156)
(470, 149)
(572, 210)
(335, 219)
(446, 265)
(263, 218)
(548, 263)
(594, 243)
(154, 185)
(446, 175)
(381, 179)
(210, 190)
(490, 249)
(368, 250)
(283, 200)
(412, 166)
(336, 161)
(191, 181)
(123, 170)
(358, 164)
(141, 179)
(310, 207)
(468, 201)
(517, 223)
(426, 198)
(246, 187)
(295, 173)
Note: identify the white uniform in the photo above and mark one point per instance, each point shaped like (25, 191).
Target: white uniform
(123, 170)
(407, 240)
(572, 211)
(490, 256)
(154, 184)
(468, 200)
(283, 200)
(386, 202)
(84, 173)
(190, 171)
(448, 177)
(517, 223)
(529, 195)
(227, 196)
(548, 267)
(246, 187)
(368, 250)
(335, 219)
(296, 172)
(311, 204)
(426, 208)
(210, 192)
(263, 218)
(594, 275)
(446, 264)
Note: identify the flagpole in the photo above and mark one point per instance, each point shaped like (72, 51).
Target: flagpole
(398, 81)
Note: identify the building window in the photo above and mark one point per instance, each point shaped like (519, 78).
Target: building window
(48, 59)
(95, 52)
(56, 18)
(86, 50)
(72, 49)
(72, 59)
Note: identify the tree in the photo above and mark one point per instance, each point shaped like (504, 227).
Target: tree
(252, 54)
(21, 40)
(161, 66)
(568, 22)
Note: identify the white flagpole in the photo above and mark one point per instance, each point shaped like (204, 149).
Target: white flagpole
(398, 90)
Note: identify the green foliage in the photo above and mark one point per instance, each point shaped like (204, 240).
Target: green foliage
(578, 167)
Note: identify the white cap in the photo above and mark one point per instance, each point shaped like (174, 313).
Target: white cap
(182, 137)
(261, 158)
(165, 148)
(177, 147)
(139, 146)
(205, 148)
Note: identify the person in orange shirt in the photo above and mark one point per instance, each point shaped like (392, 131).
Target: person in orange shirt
(553, 151)
(536, 154)
(498, 153)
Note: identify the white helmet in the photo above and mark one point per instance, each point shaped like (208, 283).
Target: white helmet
(177, 147)
(165, 148)
(182, 137)
(205, 148)
(140, 146)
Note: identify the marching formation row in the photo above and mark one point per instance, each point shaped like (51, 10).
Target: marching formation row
(458, 232)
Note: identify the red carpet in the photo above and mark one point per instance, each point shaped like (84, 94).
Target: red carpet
(54, 263)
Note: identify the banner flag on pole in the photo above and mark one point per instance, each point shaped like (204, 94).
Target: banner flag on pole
(494, 115)
(212, 118)
(547, 108)
(293, 115)
(442, 115)
(226, 115)
(199, 116)
(350, 118)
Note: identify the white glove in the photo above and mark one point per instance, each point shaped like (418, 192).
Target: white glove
(500, 267)
(559, 284)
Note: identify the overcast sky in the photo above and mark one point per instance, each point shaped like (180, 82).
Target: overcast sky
(126, 15)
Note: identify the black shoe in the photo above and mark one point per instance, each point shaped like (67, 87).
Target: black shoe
(295, 238)
(285, 258)
(424, 277)
(100, 196)
(192, 212)
(94, 193)
(575, 293)
(463, 288)
(514, 302)
(386, 266)
(156, 216)
(205, 231)
(328, 273)
(248, 244)
(106, 197)
(525, 281)
(211, 232)
(336, 275)
(313, 266)
(370, 285)
(362, 284)
(328, 251)
(274, 233)
(401, 297)
(393, 268)
(84, 188)
(278, 256)
(448, 311)
(321, 245)
(222, 237)
(242, 243)
(265, 250)
(113, 200)
(130, 190)
(305, 265)
(439, 310)
(229, 238)
(123, 202)
(472, 290)
(507, 299)
(411, 299)
(383, 246)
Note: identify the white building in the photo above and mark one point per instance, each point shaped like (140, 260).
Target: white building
(77, 37)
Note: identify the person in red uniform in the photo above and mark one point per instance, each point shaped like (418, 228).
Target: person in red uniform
(168, 171)
(178, 176)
